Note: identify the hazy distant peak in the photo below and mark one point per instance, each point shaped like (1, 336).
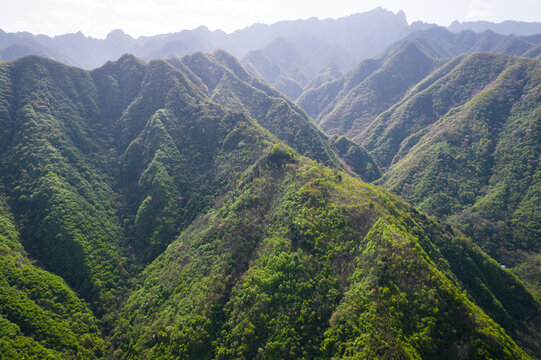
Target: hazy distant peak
(225, 56)
(202, 29)
(421, 25)
(128, 58)
(402, 16)
(117, 34)
(379, 9)
(279, 41)
(508, 27)
(77, 35)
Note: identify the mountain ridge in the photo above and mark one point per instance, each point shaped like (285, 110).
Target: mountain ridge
(491, 210)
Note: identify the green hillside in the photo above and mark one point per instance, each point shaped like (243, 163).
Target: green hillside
(184, 209)
(462, 143)
(40, 316)
(226, 82)
(301, 261)
(367, 91)
(478, 164)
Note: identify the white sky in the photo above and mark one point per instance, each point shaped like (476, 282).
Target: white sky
(148, 17)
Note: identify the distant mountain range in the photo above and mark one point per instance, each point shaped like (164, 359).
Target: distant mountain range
(293, 55)
(509, 27)
(363, 35)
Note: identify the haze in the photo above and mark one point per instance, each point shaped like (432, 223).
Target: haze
(148, 17)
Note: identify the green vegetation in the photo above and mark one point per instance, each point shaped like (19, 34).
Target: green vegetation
(174, 205)
(478, 165)
(226, 82)
(461, 142)
(349, 104)
(356, 157)
(40, 316)
(301, 261)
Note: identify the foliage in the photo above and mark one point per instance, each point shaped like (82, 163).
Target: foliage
(478, 165)
(274, 270)
(40, 316)
(356, 157)
(193, 232)
(460, 142)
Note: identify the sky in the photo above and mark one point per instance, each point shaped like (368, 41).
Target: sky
(96, 18)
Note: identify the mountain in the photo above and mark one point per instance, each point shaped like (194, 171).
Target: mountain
(291, 55)
(290, 70)
(223, 79)
(471, 155)
(303, 261)
(508, 27)
(258, 63)
(177, 226)
(441, 43)
(97, 123)
(40, 316)
(457, 137)
(350, 103)
(366, 34)
(31, 47)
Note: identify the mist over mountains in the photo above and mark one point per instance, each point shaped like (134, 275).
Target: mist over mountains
(292, 55)
(364, 35)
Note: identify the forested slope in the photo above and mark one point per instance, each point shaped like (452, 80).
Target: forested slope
(178, 224)
(462, 143)
(301, 261)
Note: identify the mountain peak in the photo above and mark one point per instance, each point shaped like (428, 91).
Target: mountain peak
(402, 16)
(202, 29)
(117, 34)
(411, 49)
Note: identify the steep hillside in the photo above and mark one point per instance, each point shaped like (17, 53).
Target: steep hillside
(290, 62)
(229, 84)
(226, 82)
(55, 169)
(102, 171)
(40, 316)
(130, 152)
(419, 137)
(356, 157)
(448, 87)
(349, 103)
(346, 106)
(301, 261)
(477, 165)
(462, 144)
(259, 64)
(154, 192)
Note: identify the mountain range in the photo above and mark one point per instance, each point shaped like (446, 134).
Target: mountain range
(410, 103)
(364, 35)
(186, 229)
(508, 27)
(293, 56)
(357, 188)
